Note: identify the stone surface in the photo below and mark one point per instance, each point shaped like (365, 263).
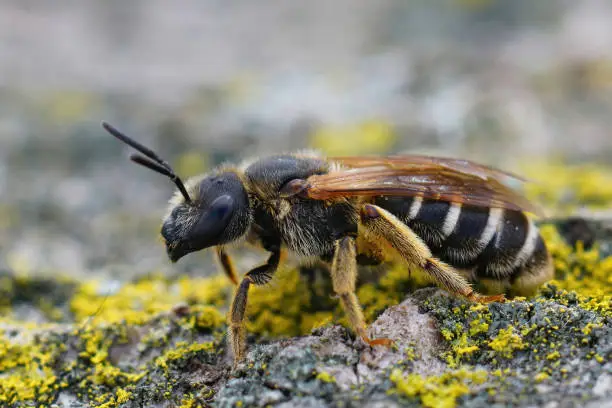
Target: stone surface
(169, 360)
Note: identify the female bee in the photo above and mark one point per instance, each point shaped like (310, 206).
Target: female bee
(454, 219)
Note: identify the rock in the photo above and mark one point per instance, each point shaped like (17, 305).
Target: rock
(603, 385)
(162, 341)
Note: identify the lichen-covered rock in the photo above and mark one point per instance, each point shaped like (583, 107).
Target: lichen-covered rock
(556, 348)
(160, 341)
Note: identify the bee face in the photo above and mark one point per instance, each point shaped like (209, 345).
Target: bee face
(217, 214)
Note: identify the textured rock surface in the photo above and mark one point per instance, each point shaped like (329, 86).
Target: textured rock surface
(160, 340)
(550, 351)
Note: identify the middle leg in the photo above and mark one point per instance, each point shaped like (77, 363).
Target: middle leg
(344, 277)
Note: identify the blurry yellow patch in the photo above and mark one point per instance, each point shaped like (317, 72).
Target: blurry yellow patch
(208, 317)
(69, 106)
(189, 402)
(563, 188)
(369, 137)
(136, 302)
(191, 164)
(311, 321)
(241, 89)
(598, 73)
(325, 377)
(19, 264)
(438, 391)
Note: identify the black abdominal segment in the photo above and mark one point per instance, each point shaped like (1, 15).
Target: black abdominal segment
(495, 243)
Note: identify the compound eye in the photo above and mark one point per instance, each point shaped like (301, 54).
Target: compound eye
(293, 187)
(212, 223)
(221, 208)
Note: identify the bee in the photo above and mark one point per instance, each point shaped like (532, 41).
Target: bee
(455, 220)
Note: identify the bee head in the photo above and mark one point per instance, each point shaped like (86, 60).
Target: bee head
(216, 212)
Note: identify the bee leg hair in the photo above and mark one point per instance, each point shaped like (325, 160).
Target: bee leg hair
(344, 276)
(412, 248)
(258, 276)
(226, 264)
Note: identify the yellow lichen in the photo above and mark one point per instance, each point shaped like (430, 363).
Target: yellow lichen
(478, 326)
(310, 321)
(507, 342)
(588, 328)
(325, 377)
(552, 356)
(208, 317)
(462, 346)
(188, 402)
(411, 352)
(137, 302)
(578, 269)
(123, 396)
(466, 350)
(182, 350)
(277, 309)
(438, 391)
(27, 371)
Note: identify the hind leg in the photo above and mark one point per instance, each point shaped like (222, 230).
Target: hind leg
(382, 223)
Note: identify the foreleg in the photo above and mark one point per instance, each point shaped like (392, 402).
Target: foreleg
(226, 264)
(258, 276)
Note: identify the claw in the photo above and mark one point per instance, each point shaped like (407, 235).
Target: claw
(377, 342)
(475, 297)
(381, 342)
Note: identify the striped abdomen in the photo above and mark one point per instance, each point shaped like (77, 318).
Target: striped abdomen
(491, 243)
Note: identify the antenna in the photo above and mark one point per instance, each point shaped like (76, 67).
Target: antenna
(152, 161)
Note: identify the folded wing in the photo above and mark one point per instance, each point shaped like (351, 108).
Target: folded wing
(435, 178)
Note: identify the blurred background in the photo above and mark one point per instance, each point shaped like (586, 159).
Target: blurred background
(202, 82)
